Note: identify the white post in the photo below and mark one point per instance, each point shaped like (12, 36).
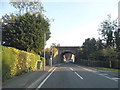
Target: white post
(51, 61)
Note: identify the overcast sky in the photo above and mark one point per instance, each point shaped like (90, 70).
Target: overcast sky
(74, 20)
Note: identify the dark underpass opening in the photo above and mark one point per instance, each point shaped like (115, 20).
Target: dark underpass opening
(67, 57)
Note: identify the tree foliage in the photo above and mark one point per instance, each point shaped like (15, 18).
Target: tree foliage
(117, 39)
(106, 49)
(108, 29)
(27, 6)
(91, 46)
(26, 29)
(25, 32)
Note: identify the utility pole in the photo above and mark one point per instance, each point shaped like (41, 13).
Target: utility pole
(44, 51)
(48, 32)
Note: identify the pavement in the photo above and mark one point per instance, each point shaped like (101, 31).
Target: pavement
(33, 79)
(26, 80)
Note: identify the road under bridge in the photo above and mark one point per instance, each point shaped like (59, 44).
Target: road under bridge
(66, 53)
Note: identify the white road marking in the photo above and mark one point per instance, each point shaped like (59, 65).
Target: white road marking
(45, 80)
(89, 70)
(109, 78)
(99, 74)
(78, 75)
(103, 74)
(115, 78)
(71, 69)
(50, 69)
(86, 69)
(78, 66)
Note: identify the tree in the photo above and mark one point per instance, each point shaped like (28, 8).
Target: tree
(25, 32)
(117, 39)
(107, 29)
(99, 44)
(54, 45)
(27, 7)
(106, 51)
(110, 54)
(89, 46)
(110, 32)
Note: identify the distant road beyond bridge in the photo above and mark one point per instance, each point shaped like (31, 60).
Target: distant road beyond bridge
(62, 50)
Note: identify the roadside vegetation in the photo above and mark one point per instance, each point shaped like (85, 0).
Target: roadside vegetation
(109, 69)
(25, 30)
(23, 38)
(23, 42)
(16, 62)
(105, 51)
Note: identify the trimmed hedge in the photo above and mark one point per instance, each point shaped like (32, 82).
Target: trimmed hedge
(15, 62)
(0, 63)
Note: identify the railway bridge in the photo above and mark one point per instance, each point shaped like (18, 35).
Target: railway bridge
(65, 53)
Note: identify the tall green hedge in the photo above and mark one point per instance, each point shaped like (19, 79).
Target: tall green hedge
(15, 62)
(0, 63)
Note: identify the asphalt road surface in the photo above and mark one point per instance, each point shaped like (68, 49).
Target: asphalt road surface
(74, 76)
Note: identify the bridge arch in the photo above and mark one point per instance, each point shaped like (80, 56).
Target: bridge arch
(62, 50)
(66, 56)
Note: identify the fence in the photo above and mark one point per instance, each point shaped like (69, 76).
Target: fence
(98, 63)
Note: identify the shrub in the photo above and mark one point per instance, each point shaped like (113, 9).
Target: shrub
(15, 62)
(43, 60)
(8, 65)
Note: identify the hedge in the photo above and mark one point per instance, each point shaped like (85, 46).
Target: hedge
(15, 62)
(0, 63)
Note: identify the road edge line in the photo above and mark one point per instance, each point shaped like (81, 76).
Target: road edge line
(45, 79)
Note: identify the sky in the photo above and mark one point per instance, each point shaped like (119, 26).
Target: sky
(74, 20)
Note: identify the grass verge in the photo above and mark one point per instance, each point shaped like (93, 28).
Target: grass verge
(109, 69)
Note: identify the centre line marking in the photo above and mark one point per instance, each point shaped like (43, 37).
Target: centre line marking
(45, 80)
(78, 75)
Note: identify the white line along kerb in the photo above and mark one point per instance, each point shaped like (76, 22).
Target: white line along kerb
(45, 79)
(71, 69)
(50, 69)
